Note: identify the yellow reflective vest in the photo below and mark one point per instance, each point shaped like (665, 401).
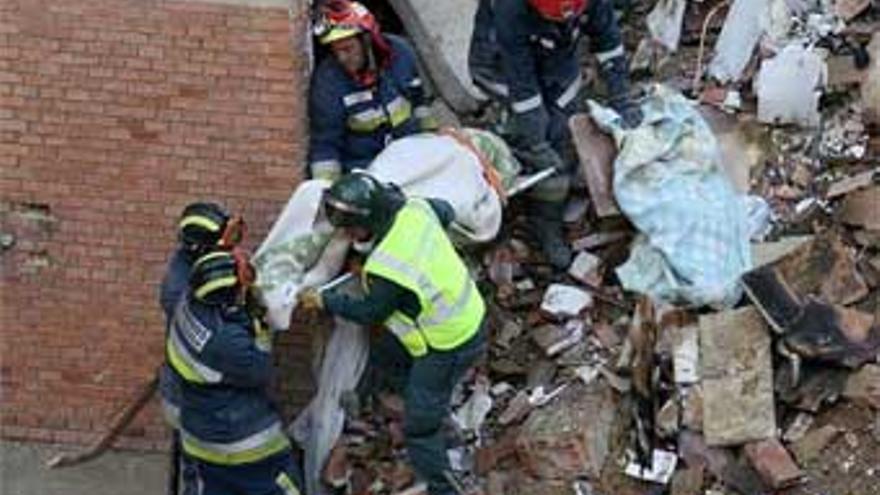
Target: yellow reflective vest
(417, 254)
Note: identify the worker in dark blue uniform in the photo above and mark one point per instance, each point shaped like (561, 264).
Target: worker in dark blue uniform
(201, 228)
(523, 53)
(364, 95)
(229, 428)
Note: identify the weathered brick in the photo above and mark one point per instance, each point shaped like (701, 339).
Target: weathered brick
(95, 170)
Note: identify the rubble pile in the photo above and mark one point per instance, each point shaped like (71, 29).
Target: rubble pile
(588, 389)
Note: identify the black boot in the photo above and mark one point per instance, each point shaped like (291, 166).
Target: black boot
(546, 226)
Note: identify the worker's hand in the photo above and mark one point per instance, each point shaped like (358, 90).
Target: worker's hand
(629, 112)
(310, 299)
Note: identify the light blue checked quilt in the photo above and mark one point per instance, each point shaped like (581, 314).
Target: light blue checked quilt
(668, 180)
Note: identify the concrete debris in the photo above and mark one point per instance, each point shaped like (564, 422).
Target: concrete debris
(798, 427)
(737, 378)
(596, 152)
(833, 334)
(471, 415)
(863, 386)
(565, 301)
(510, 330)
(852, 183)
(554, 339)
(662, 467)
(571, 439)
(668, 421)
(518, 408)
(686, 354)
(597, 240)
(814, 443)
(773, 463)
(860, 208)
(692, 409)
(849, 9)
(766, 253)
(585, 268)
(687, 482)
(789, 86)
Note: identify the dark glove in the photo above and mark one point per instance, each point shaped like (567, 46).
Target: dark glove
(539, 157)
(617, 80)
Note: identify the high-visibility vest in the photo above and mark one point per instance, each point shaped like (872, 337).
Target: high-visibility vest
(417, 255)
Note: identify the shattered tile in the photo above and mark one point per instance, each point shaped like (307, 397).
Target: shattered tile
(860, 208)
(863, 386)
(564, 301)
(737, 378)
(596, 152)
(570, 439)
(773, 463)
(813, 443)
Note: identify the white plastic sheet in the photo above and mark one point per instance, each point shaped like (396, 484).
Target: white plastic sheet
(301, 251)
(669, 181)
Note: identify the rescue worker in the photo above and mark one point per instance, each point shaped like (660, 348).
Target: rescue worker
(418, 287)
(523, 53)
(201, 227)
(365, 94)
(229, 427)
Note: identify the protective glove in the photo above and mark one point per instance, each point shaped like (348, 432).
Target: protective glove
(539, 157)
(310, 299)
(616, 78)
(629, 111)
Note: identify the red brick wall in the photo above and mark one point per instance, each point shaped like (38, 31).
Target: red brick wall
(113, 115)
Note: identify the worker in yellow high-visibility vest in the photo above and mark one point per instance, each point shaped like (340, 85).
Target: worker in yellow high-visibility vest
(419, 288)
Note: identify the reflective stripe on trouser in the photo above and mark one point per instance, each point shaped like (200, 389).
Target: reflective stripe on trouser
(417, 255)
(275, 475)
(260, 445)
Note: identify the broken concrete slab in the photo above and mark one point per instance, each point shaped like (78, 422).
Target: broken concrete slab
(565, 301)
(789, 86)
(824, 266)
(441, 33)
(773, 463)
(833, 334)
(860, 208)
(813, 443)
(736, 365)
(765, 253)
(863, 386)
(596, 151)
(570, 439)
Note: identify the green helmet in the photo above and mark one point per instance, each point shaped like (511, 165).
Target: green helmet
(352, 201)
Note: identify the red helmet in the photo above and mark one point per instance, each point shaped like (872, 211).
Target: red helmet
(559, 10)
(338, 19)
